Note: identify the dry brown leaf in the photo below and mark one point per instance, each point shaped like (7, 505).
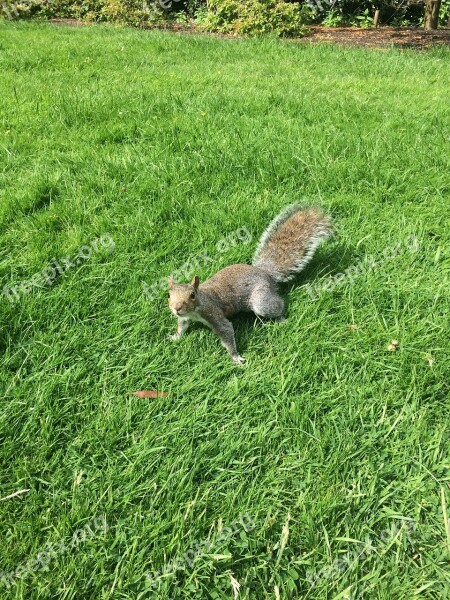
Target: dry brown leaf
(150, 394)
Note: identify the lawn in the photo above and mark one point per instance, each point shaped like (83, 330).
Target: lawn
(320, 469)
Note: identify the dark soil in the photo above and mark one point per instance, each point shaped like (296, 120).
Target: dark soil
(382, 37)
(70, 22)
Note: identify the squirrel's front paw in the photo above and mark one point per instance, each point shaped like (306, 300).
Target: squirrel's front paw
(238, 360)
(174, 338)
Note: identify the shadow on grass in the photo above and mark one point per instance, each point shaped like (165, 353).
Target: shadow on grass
(325, 262)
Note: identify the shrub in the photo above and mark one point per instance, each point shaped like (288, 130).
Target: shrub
(361, 12)
(253, 17)
(23, 9)
(71, 9)
(131, 12)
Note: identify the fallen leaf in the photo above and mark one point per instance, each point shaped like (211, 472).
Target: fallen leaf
(150, 394)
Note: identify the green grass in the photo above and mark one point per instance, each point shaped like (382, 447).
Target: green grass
(325, 439)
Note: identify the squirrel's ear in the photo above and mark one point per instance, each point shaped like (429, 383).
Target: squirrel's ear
(195, 282)
(171, 281)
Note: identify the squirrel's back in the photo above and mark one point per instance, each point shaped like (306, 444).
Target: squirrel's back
(233, 286)
(290, 241)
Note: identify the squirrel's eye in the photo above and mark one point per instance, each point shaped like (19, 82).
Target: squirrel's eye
(193, 295)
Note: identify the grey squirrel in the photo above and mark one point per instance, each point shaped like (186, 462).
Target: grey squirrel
(285, 248)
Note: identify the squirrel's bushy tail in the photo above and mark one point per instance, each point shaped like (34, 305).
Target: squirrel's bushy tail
(290, 241)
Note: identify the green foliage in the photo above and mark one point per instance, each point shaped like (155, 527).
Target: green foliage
(11, 10)
(334, 19)
(251, 17)
(131, 12)
(182, 18)
(444, 13)
(365, 19)
(254, 17)
(361, 13)
(77, 9)
(195, 8)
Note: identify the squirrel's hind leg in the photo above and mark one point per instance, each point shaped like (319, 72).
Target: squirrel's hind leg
(266, 302)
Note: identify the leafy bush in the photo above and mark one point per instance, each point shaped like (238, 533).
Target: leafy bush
(365, 19)
(131, 12)
(334, 19)
(12, 9)
(360, 13)
(253, 17)
(444, 13)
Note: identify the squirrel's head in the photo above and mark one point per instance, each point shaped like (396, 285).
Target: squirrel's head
(183, 296)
